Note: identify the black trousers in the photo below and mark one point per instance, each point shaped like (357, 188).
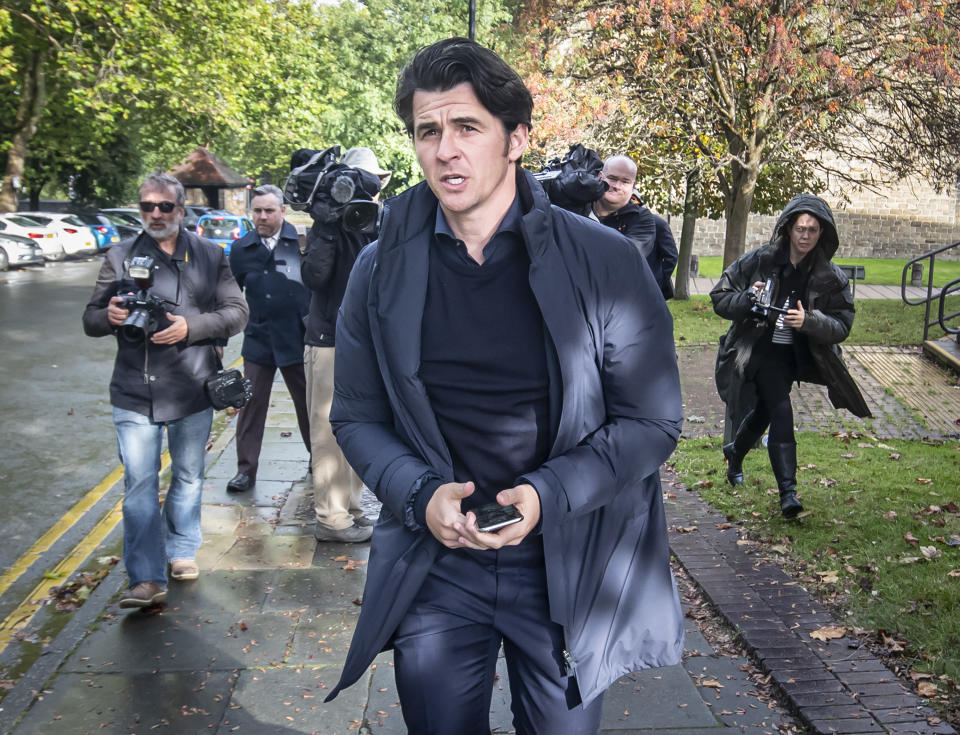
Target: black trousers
(252, 417)
(773, 370)
(445, 649)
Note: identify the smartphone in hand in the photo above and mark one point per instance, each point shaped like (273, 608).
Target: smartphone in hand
(493, 516)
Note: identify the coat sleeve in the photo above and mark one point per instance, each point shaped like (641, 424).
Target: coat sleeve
(95, 323)
(830, 322)
(361, 416)
(640, 392)
(667, 247)
(641, 228)
(229, 316)
(731, 294)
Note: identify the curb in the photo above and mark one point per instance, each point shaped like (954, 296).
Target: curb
(835, 686)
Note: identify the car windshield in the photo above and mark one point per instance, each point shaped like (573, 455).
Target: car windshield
(72, 220)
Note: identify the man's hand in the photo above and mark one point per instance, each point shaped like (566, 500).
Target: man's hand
(116, 314)
(176, 332)
(795, 317)
(527, 501)
(443, 512)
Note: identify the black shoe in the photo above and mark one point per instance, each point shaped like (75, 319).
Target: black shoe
(240, 483)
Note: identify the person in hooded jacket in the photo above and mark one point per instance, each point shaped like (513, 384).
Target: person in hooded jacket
(766, 350)
(492, 348)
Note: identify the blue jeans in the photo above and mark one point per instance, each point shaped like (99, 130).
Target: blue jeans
(152, 534)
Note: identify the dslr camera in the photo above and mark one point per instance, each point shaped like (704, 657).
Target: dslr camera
(572, 182)
(330, 190)
(147, 311)
(762, 298)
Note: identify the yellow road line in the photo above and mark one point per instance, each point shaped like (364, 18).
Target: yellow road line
(21, 617)
(42, 544)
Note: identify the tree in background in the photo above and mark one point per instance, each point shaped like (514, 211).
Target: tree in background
(760, 91)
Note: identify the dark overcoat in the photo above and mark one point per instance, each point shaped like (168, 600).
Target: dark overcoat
(829, 316)
(273, 286)
(615, 417)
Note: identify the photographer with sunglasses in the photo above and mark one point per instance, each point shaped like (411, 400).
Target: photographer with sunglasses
(158, 380)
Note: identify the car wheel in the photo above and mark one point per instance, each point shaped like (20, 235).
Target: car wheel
(4, 260)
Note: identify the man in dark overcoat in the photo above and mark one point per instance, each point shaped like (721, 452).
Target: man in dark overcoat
(494, 349)
(266, 264)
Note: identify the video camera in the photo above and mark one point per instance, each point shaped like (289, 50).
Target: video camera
(148, 312)
(762, 298)
(330, 190)
(572, 182)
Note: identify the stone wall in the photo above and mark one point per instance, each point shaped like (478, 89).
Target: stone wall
(901, 221)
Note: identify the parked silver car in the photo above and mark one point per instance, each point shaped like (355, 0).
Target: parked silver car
(16, 251)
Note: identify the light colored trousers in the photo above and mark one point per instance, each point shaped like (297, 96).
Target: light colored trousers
(336, 487)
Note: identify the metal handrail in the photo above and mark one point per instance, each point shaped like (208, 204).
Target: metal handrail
(927, 323)
(948, 289)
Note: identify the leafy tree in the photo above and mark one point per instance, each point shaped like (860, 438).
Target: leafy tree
(759, 90)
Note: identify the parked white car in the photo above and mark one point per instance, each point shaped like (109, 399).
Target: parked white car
(76, 237)
(44, 235)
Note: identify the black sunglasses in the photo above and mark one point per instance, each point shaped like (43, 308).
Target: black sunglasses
(165, 207)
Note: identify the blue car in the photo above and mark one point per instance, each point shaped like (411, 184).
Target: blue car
(103, 229)
(223, 228)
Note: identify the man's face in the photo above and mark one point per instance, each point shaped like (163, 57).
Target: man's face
(804, 236)
(466, 155)
(161, 225)
(267, 214)
(620, 178)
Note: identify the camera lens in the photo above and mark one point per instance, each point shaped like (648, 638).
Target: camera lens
(136, 327)
(361, 216)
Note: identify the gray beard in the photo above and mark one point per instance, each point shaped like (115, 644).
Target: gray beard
(163, 234)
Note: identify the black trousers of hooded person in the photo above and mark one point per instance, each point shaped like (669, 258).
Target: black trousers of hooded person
(772, 370)
(446, 648)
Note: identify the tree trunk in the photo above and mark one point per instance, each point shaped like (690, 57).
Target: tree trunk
(744, 183)
(691, 209)
(32, 101)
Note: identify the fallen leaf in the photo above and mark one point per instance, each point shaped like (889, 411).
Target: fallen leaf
(711, 684)
(829, 577)
(927, 689)
(954, 573)
(910, 559)
(828, 632)
(911, 539)
(894, 456)
(848, 455)
(920, 675)
(931, 552)
(890, 515)
(924, 481)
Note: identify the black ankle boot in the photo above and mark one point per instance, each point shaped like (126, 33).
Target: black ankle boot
(783, 460)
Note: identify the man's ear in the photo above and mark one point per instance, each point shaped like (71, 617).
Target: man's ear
(519, 139)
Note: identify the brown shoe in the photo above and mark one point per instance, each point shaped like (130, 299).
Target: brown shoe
(184, 569)
(144, 594)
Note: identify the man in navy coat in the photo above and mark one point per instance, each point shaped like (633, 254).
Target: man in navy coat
(266, 264)
(492, 348)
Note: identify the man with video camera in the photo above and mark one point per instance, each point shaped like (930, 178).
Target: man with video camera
(332, 248)
(185, 300)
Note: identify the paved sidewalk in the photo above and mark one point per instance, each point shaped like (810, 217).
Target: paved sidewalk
(254, 645)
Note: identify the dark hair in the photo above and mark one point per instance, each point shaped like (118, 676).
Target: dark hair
(445, 64)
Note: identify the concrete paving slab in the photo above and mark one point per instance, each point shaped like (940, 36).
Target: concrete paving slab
(219, 519)
(213, 549)
(268, 552)
(383, 706)
(287, 701)
(321, 639)
(729, 693)
(328, 588)
(139, 642)
(222, 593)
(265, 493)
(665, 696)
(181, 702)
(292, 450)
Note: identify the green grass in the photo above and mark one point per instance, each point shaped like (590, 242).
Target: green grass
(878, 271)
(865, 502)
(877, 322)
